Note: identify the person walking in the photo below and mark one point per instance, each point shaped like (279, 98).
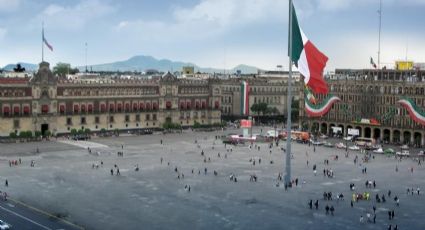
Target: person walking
(332, 210)
(6, 183)
(316, 204)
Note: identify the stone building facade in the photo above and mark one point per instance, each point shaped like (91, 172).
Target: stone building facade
(372, 95)
(46, 102)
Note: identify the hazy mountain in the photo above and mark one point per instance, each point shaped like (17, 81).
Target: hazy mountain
(28, 66)
(142, 63)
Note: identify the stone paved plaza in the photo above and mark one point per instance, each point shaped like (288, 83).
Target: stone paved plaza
(64, 182)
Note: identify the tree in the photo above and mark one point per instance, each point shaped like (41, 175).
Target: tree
(47, 133)
(29, 134)
(19, 68)
(73, 132)
(295, 109)
(23, 134)
(87, 131)
(62, 69)
(12, 135)
(37, 134)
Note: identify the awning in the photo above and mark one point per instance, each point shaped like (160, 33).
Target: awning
(168, 104)
(134, 106)
(142, 106)
(76, 108)
(182, 105)
(90, 107)
(6, 109)
(83, 108)
(16, 109)
(26, 109)
(217, 104)
(197, 104)
(188, 104)
(61, 108)
(148, 105)
(102, 107)
(155, 106)
(204, 104)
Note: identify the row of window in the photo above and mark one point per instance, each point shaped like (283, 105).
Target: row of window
(111, 119)
(110, 92)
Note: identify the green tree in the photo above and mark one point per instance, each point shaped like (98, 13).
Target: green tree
(80, 131)
(22, 134)
(295, 110)
(73, 132)
(37, 134)
(19, 68)
(87, 131)
(12, 135)
(103, 130)
(47, 133)
(29, 134)
(62, 69)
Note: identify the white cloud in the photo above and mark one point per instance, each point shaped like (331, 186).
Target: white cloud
(9, 5)
(208, 18)
(73, 17)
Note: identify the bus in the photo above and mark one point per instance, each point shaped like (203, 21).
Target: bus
(365, 142)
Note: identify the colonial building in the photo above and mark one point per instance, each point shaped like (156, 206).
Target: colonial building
(370, 104)
(270, 90)
(45, 102)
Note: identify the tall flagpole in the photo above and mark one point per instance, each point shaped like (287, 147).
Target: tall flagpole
(42, 42)
(289, 102)
(379, 34)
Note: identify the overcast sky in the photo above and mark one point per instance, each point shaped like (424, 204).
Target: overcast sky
(209, 33)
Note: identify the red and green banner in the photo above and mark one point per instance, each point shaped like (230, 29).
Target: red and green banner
(244, 98)
(307, 58)
(320, 109)
(416, 113)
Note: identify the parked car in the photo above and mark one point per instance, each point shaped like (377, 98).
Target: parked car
(348, 138)
(340, 145)
(4, 225)
(323, 136)
(404, 153)
(328, 144)
(380, 150)
(316, 143)
(354, 147)
(405, 147)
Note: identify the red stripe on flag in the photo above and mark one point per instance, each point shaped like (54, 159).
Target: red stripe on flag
(316, 63)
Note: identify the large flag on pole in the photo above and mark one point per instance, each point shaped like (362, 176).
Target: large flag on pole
(307, 58)
(47, 43)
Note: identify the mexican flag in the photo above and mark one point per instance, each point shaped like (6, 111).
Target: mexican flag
(307, 58)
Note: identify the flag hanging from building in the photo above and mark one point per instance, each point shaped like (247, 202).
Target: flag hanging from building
(244, 98)
(307, 58)
(372, 62)
(47, 43)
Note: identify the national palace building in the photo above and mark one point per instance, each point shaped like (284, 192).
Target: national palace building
(47, 102)
(370, 104)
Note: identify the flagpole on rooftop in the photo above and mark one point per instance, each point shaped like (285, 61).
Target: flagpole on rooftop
(42, 41)
(288, 102)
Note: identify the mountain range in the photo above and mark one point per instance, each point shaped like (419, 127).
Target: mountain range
(142, 63)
